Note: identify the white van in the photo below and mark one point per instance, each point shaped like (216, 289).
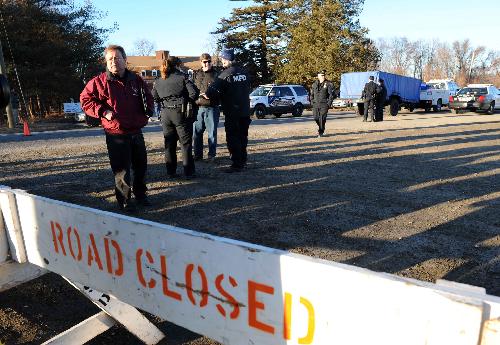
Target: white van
(278, 100)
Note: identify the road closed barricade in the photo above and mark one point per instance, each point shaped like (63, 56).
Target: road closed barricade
(239, 293)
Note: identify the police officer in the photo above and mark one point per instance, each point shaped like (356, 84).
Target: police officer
(232, 87)
(322, 95)
(368, 94)
(176, 95)
(380, 100)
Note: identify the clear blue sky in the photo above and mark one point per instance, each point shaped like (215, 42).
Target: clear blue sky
(183, 27)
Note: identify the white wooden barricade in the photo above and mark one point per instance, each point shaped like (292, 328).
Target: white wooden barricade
(18, 270)
(238, 293)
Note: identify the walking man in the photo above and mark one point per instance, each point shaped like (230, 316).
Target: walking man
(368, 94)
(232, 87)
(208, 111)
(123, 103)
(322, 95)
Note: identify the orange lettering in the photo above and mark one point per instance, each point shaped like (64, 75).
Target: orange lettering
(287, 318)
(230, 299)
(164, 280)
(92, 247)
(70, 245)
(119, 257)
(189, 285)
(152, 283)
(253, 305)
(58, 237)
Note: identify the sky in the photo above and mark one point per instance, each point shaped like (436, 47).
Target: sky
(183, 27)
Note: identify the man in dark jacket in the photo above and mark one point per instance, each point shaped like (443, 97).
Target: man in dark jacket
(322, 95)
(123, 102)
(232, 87)
(380, 100)
(208, 111)
(368, 94)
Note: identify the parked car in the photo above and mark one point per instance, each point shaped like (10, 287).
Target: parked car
(279, 100)
(476, 97)
(341, 103)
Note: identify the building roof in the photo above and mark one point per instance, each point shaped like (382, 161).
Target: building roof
(153, 62)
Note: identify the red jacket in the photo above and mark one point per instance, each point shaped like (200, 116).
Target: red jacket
(122, 97)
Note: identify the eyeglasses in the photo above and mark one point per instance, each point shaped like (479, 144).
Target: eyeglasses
(207, 61)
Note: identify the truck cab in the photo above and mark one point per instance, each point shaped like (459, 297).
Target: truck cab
(436, 93)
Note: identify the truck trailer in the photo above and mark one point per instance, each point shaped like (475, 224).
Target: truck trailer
(401, 91)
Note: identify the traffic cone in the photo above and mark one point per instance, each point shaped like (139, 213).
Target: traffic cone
(26, 129)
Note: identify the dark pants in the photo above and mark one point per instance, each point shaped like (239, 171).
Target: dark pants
(176, 127)
(128, 151)
(369, 105)
(379, 111)
(237, 138)
(320, 113)
(208, 118)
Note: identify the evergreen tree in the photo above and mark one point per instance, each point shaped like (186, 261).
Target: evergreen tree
(56, 48)
(325, 35)
(255, 33)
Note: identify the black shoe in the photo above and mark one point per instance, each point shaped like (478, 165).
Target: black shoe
(364, 120)
(233, 169)
(144, 202)
(127, 206)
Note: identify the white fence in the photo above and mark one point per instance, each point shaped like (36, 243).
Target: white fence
(239, 293)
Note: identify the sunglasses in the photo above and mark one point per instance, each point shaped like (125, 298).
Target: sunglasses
(207, 61)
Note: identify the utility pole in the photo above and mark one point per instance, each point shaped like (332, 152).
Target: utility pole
(3, 70)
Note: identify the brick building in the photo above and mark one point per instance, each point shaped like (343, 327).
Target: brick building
(149, 66)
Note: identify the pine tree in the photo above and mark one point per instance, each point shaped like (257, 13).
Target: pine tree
(325, 35)
(255, 33)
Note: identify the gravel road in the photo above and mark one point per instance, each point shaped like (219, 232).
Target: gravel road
(417, 195)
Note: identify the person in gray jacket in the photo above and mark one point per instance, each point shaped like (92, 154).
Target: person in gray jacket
(176, 95)
(322, 95)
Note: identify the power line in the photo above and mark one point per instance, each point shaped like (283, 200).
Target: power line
(14, 63)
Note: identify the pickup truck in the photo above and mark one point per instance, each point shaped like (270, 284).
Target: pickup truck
(436, 93)
(401, 91)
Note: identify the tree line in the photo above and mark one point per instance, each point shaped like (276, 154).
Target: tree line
(291, 40)
(460, 60)
(55, 47)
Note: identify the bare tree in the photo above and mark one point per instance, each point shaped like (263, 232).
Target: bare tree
(439, 60)
(143, 47)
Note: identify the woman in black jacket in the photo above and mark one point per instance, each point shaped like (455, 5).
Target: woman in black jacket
(176, 94)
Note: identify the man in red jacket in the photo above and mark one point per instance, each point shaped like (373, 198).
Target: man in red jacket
(123, 103)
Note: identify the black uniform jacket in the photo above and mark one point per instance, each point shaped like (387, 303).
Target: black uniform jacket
(381, 94)
(369, 90)
(174, 90)
(232, 86)
(322, 94)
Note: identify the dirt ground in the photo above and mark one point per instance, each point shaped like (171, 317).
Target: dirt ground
(417, 195)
